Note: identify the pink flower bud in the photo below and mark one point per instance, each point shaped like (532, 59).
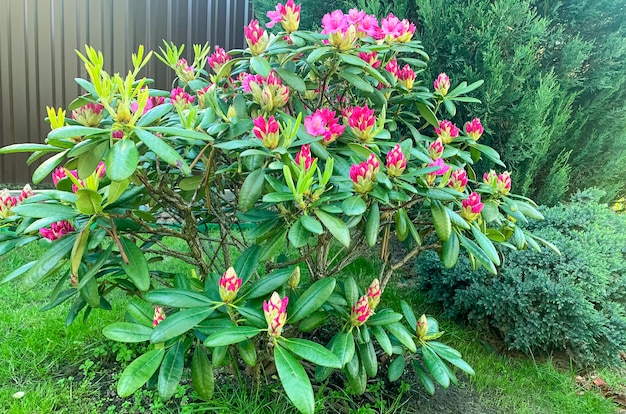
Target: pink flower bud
(88, 115)
(458, 180)
(422, 327)
(474, 129)
(56, 230)
(490, 178)
(406, 76)
(304, 158)
(180, 98)
(435, 149)
(447, 131)
(26, 192)
(442, 84)
(268, 92)
(396, 161)
(218, 59)
(229, 285)
(256, 37)
(266, 131)
(361, 311)
(275, 311)
(373, 294)
(159, 316)
(370, 58)
(361, 120)
(117, 134)
(439, 162)
(344, 38)
(324, 123)
(373, 163)
(294, 279)
(471, 207)
(364, 174)
(392, 67)
(7, 201)
(503, 183)
(184, 72)
(288, 15)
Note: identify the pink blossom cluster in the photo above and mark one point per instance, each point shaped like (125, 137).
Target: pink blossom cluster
(184, 72)
(471, 207)
(89, 115)
(180, 98)
(396, 161)
(458, 180)
(447, 131)
(324, 123)
(268, 92)
(364, 174)
(304, 158)
(443, 169)
(267, 131)
(288, 15)
(152, 102)
(361, 311)
(390, 29)
(218, 59)
(442, 84)
(500, 182)
(361, 121)
(56, 230)
(256, 37)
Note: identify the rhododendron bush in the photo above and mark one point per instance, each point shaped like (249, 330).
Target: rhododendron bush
(277, 166)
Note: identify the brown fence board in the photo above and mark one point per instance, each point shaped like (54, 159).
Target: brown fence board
(38, 63)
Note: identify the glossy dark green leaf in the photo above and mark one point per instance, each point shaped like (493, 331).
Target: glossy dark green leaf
(384, 317)
(402, 226)
(402, 334)
(311, 224)
(372, 225)
(368, 358)
(139, 372)
(427, 381)
(171, 371)
(435, 366)
(269, 283)
(382, 338)
(202, 374)
(357, 81)
(122, 160)
(137, 266)
(441, 220)
(450, 251)
(27, 147)
(396, 368)
(163, 150)
(478, 253)
(427, 114)
(247, 352)
(47, 167)
(260, 65)
(291, 79)
(88, 162)
(486, 245)
(312, 352)
(353, 206)
(231, 335)
(298, 235)
(312, 298)
(247, 263)
(179, 323)
(336, 226)
(51, 260)
(154, 114)
(177, 298)
(251, 189)
(127, 332)
(295, 380)
(71, 131)
(45, 210)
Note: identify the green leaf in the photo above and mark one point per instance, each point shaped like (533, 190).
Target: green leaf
(486, 245)
(489, 153)
(353, 206)
(231, 335)
(435, 366)
(357, 81)
(251, 189)
(478, 253)
(122, 160)
(202, 374)
(45, 210)
(336, 226)
(177, 298)
(450, 251)
(154, 114)
(180, 132)
(442, 223)
(27, 147)
(372, 226)
(402, 334)
(344, 347)
(408, 313)
(171, 371)
(427, 114)
(318, 53)
(88, 162)
(116, 189)
(384, 317)
(127, 332)
(311, 224)
(89, 201)
(18, 272)
(273, 246)
(490, 211)
(291, 79)
(311, 351)
(352, 60)
(278, 197)
(179, 323)
(47, 166)
(269, 283)
(247, 263)
(528, 210)
(312, 299)
(137, 266)
(402, 224)
(51, 260)
(396, 368)
(139, 372)
(247, 352)
(295, 380)
(75, 131)
(163, 150)
(368, 358)
(298, 235)
(260, 65)
(382, 338)
(428, 383)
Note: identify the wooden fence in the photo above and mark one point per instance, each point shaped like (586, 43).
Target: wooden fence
(38, 63)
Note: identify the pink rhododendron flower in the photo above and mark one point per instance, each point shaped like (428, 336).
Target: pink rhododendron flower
(89, 115)
(392, 67)
(396, 161)
(503, 183)
(341, 34)
(406, 76)
(439, 162)
(256, 37)
(471, 207)
(218, 59)
(442, 84)
(56, 230)
(458, 180)
(150, 103)
(229, 285)
(26, 192)
(361, 311)
(490, 178)
(364, 174)
(474, 129)
(368, 26)
(324, 123)
(288, 15)
(266, 131)
(268, 92)
(393, 29)
(447, 131)
(275, 311)
(60, 173)
(7, 202)
(117, 134)
(303, 157)
(184, 72)
(361, 120)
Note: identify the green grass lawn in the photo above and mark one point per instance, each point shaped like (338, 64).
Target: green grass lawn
(72, 369)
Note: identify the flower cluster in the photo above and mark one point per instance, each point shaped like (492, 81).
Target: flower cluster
(7, 201)
(304, 158)
(361, 121)
(56, 230)
(364, 174)
(447, 131)
(323, 123)
(396, 161)
(268, 92)
(184, 72)
(181, 99)
(361, 311)
(471, 207)
(89, 115)
(218, 59)
(458, 180)
(159, 316)
(288, 15)
(442, 84)
(267, 131)
(256, 37)
(499, 182)
(443, 169)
